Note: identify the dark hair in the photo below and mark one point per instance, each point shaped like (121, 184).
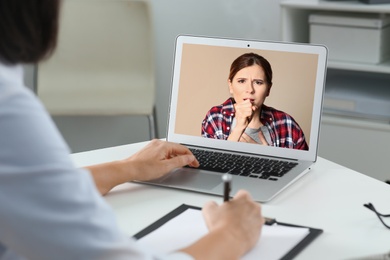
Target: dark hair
(28, 30)
(250, 59)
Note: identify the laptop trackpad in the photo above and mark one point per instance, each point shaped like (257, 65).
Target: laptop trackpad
(191, 178)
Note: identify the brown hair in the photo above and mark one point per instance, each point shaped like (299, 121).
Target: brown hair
(28, 30)
(250, 59)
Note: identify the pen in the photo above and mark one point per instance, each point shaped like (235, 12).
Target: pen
(269, 221)
(227, 186)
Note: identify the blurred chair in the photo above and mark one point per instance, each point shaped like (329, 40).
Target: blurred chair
(104, 61)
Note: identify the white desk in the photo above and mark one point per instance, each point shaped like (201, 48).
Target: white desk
(330, 197)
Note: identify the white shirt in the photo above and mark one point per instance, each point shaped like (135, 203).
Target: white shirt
(49, 209)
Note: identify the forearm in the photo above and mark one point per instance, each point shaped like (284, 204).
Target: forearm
(108, 175)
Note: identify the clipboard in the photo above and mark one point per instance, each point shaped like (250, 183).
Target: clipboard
(293, 251)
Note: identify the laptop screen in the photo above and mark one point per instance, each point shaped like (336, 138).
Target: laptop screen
(202, 92)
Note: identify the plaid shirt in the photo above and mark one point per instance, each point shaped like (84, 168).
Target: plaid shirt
(283, 129)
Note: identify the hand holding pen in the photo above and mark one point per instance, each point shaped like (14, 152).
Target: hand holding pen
(239, 220)
(227, 187)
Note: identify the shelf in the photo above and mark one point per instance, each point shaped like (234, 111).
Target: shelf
(355, 122)
(295, 26)
(349, 6)
(363, 95)
(356, 107)
(376, 68)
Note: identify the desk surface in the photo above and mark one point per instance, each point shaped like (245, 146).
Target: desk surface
(329, 197)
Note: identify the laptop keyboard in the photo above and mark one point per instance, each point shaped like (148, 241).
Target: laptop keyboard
(242, 165)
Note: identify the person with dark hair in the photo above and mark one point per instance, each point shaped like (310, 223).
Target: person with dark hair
(244, 117)
(49, 209)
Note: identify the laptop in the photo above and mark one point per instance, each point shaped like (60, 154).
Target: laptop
(200, 82)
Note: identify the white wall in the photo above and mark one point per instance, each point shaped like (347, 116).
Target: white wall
(225, 18)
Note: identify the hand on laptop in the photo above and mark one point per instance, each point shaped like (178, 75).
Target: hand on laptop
(234, 226)
(153, 161)
(160, 157)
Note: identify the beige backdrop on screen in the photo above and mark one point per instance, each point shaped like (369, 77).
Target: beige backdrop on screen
(203, 84)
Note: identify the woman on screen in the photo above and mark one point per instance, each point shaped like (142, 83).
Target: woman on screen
(243, 117)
